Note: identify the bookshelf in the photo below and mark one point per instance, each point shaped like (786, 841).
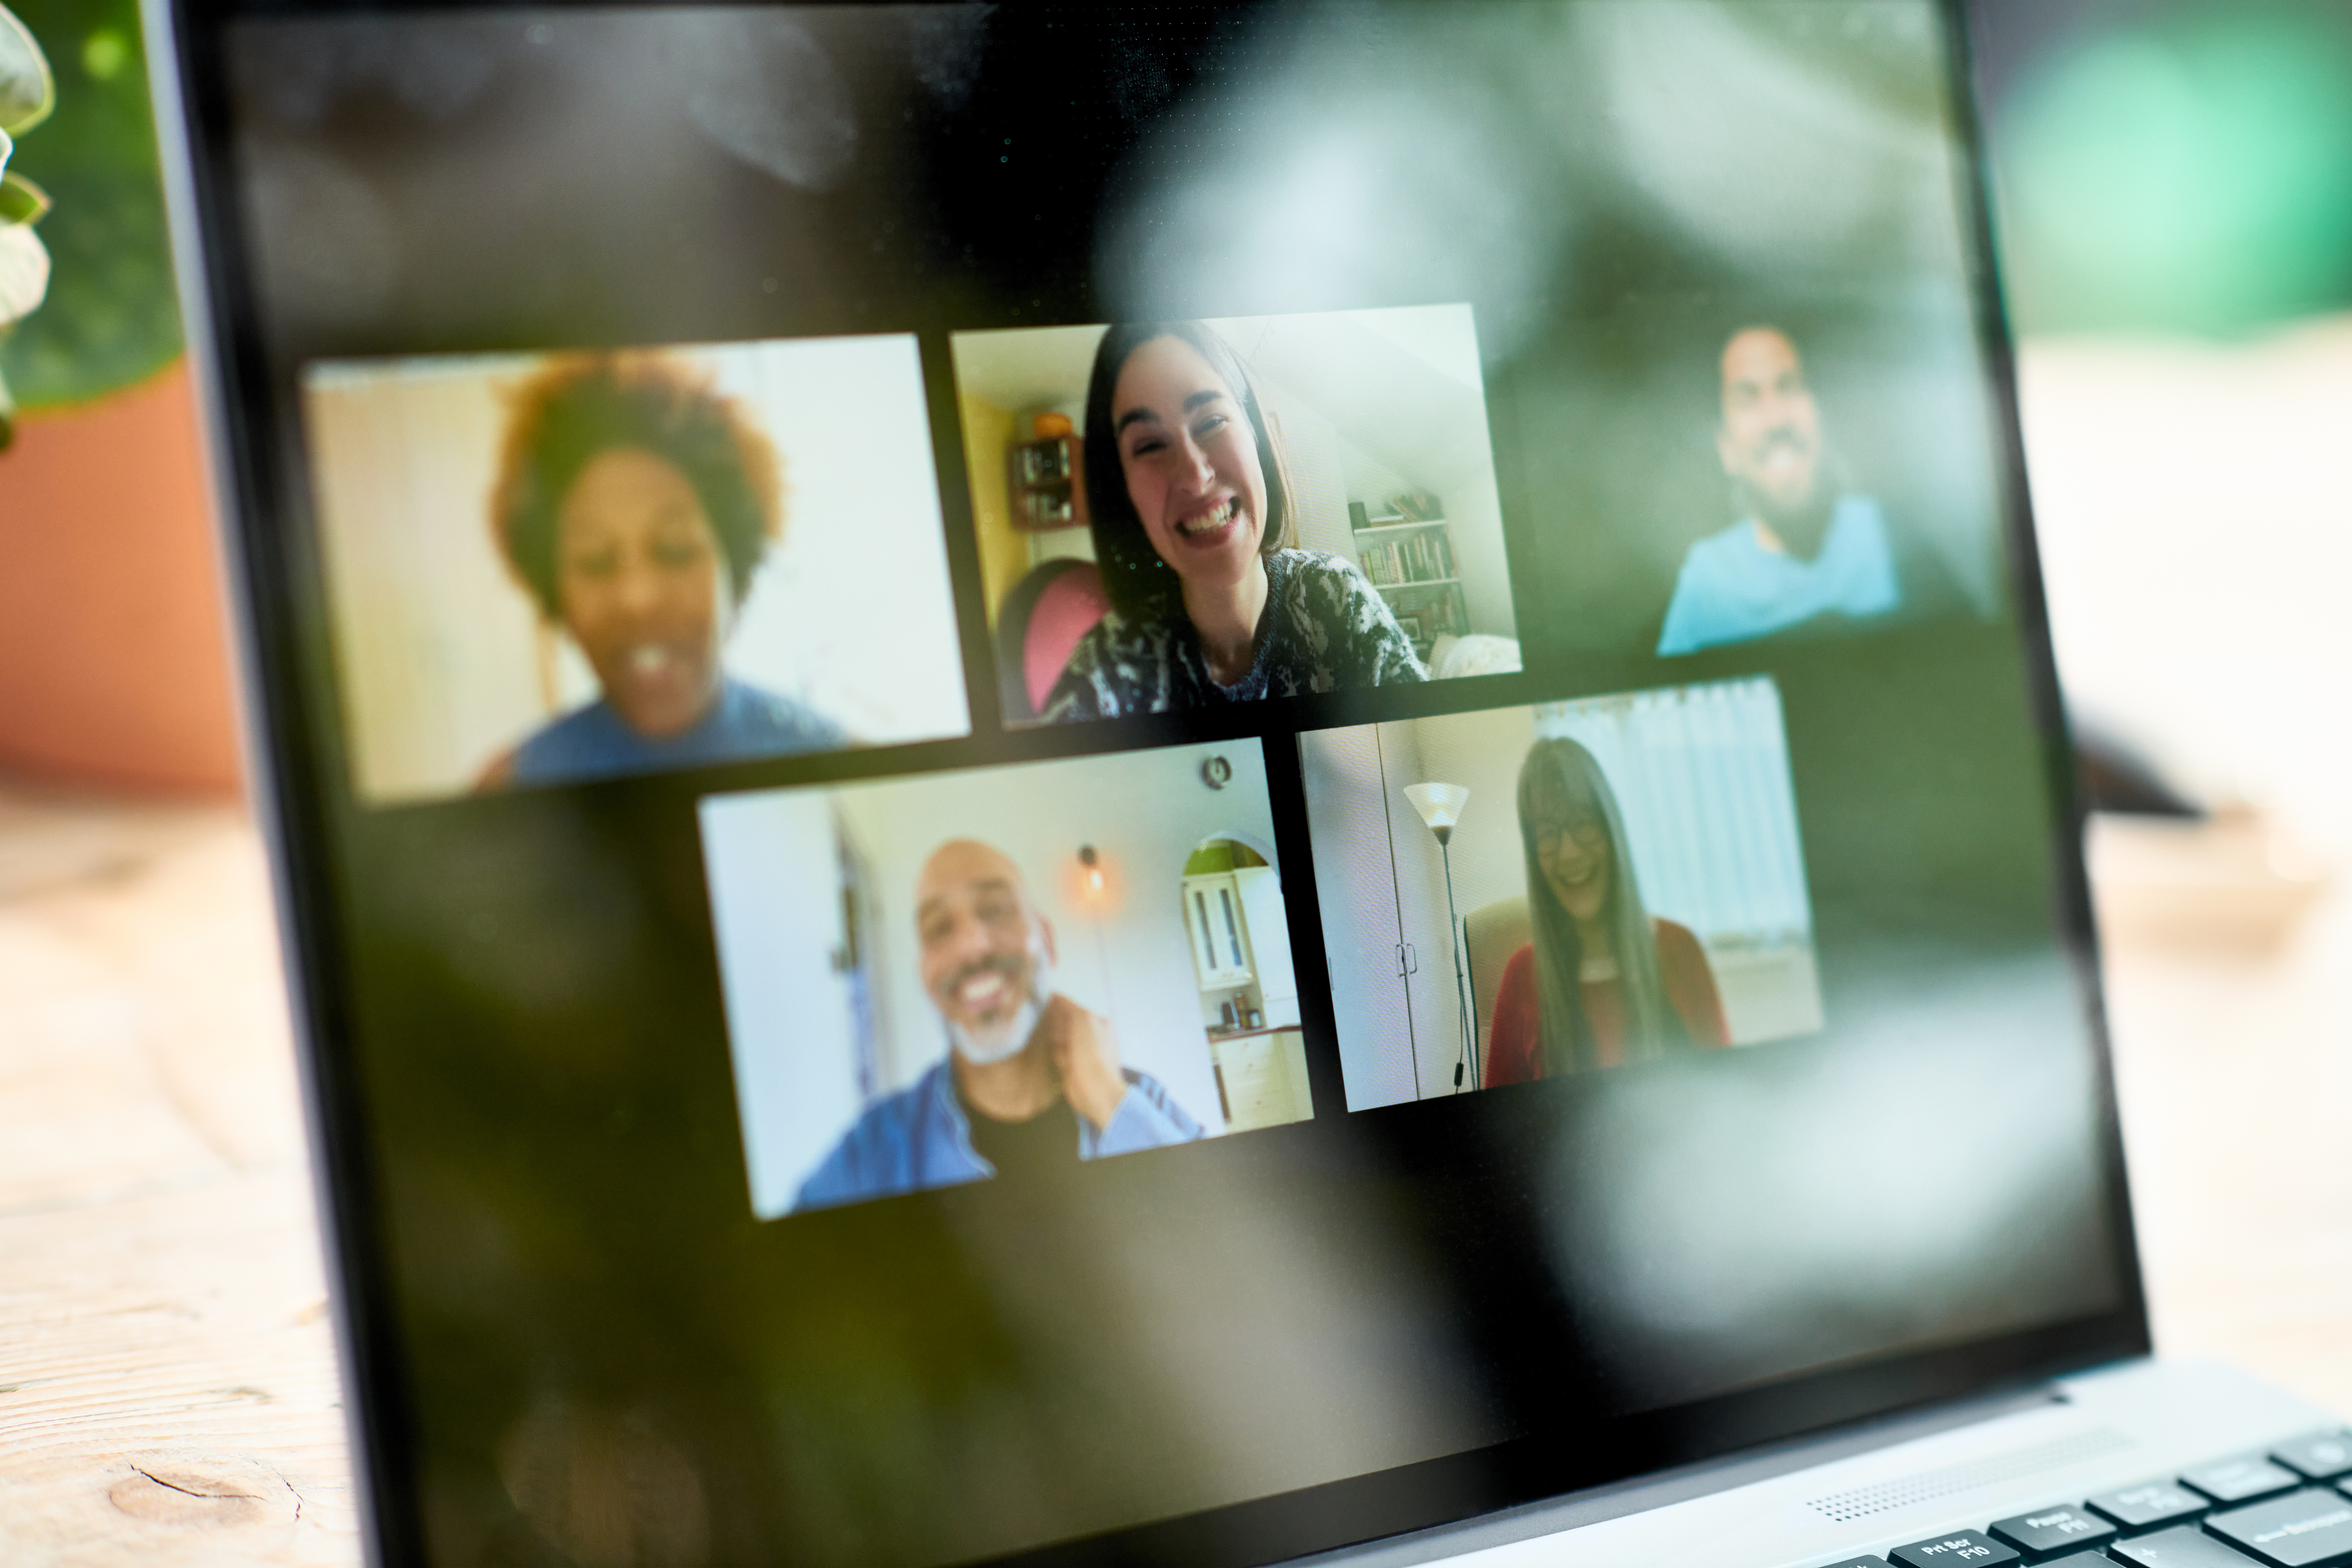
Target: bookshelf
(1047, 477)
(1409, 562)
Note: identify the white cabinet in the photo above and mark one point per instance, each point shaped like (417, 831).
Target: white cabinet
(1261, 1079)
(1266, 925)
(1241, 933)
(1219, 930)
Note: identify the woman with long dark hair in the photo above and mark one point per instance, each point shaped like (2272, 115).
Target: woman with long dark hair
(1602, 982)
(1189, 515)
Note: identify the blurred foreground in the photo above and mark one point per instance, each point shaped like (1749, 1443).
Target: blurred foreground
(2196, 524)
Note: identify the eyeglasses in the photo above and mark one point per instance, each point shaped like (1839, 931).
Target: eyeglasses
(1592, 833)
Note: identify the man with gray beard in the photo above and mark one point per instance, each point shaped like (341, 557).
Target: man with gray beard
(1032, 1081)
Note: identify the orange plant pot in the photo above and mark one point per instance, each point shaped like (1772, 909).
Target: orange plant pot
(114, 667)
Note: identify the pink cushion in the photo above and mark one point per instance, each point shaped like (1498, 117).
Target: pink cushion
(1066, 611)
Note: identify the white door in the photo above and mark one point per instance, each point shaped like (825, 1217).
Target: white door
(788, 966)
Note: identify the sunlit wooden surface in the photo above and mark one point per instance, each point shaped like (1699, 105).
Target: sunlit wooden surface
(167, 1384)
(2196, 527)
(2233, 1066)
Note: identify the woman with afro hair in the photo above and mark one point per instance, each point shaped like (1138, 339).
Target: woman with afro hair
(633, 504)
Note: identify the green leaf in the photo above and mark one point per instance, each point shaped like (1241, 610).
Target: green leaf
(27, 92)
(21, 200)
(24, 273)
(111, 319)
(104, 54)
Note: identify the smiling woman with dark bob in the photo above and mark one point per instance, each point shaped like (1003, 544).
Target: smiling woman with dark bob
(633, 504)
(1189, 513)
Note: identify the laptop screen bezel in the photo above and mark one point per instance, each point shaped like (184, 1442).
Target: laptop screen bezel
(285, 764)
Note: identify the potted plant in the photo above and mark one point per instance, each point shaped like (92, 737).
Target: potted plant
(28, 93)
(113, 663)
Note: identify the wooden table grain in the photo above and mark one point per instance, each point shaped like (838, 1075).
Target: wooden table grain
(168, 1392)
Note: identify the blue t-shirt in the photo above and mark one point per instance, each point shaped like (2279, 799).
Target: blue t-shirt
(1732, 590)
(595, 742)
(920, 1138)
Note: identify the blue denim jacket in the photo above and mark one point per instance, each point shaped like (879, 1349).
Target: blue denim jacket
(919, 1138)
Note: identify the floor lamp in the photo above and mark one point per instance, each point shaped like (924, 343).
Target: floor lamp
(1440, 806)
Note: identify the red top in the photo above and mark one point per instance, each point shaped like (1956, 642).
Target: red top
(1514, 1052)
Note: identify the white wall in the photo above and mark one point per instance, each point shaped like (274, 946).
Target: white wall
(1144, 812)
(1482, 751)
(1311, 460)
(440, 654)
(1402, 389)
(775, 898)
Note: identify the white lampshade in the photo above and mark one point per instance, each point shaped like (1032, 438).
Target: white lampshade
(1440, 806)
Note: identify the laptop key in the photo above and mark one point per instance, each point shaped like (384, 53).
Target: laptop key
(2322, 1456)
(2305, 1530)
(2183, 1546)
(2244, 1479)
(2051, 1531)
(1860, 1562)
(2150, 1506)
(1956, 1548)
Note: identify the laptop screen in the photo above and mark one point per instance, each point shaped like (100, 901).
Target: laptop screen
(1162, 780)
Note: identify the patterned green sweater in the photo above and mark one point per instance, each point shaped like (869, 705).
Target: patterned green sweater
(1324, 628)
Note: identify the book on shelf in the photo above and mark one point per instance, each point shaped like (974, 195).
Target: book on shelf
(1412, 506)
(1417, 506)
(1410, 558)
(1428, 619)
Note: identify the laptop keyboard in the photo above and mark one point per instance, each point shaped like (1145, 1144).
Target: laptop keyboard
(2288, 1508)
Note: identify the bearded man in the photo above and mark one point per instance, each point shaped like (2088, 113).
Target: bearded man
(1030, 1082)
(1802, 551)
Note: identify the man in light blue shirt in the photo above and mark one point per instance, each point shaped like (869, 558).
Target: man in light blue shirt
(1032, 1081)
(1797, 554)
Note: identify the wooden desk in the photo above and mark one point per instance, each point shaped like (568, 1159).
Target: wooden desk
(168, 1390)
(167, 1386)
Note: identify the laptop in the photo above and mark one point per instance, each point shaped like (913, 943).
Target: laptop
(1138, 784)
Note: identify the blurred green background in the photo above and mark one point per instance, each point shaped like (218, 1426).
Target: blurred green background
(2170, 167)
(2163, 165)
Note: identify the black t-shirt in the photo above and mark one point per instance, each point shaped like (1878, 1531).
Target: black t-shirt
(1047, 1141)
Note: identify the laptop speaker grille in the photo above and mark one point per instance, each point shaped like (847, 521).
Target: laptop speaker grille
(1928, 1485)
